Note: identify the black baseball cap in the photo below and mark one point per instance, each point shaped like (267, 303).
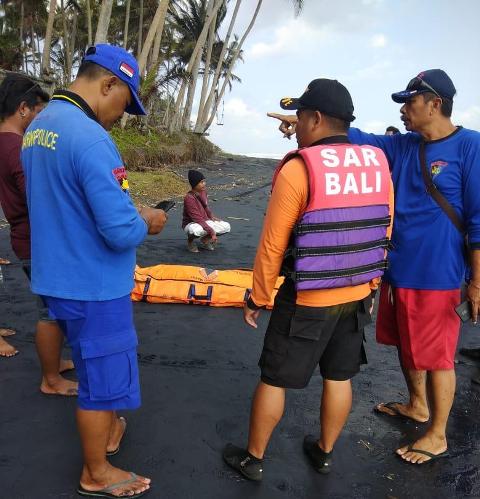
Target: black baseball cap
(327, 96)
(435, 81)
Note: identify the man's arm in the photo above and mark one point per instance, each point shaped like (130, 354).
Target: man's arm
(471, 205)
(287, 203)
(116, 218)
(388, 143)
(473, 289)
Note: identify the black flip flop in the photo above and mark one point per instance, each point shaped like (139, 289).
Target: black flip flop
(396, 412)
(433, 457)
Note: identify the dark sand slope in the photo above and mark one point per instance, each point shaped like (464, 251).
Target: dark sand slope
(198, 370)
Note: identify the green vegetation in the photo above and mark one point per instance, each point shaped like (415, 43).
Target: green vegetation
(150, 158)
(151, 150)
(148, 188)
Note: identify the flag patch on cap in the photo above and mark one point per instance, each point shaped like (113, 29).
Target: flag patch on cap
(125, 68)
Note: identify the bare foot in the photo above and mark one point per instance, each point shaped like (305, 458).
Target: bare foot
(62, 386)
(192, 247)
(66, 365)
(128, 482)
(116, 435)
(432, 444)
(6, 332)
(4, 261)
(6, 350)
(395, 409)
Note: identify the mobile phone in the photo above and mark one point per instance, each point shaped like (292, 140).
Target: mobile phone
(165, 205)
(464, 311)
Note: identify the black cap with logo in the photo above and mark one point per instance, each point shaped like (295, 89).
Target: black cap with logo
(327, 96)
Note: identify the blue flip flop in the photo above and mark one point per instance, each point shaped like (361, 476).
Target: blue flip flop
(107, 491)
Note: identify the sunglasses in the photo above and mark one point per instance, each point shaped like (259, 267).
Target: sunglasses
(419, 84)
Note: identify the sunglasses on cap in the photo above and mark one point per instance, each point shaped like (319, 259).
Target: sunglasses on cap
(419, 84)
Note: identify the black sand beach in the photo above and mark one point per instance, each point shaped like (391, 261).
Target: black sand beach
(198, 370)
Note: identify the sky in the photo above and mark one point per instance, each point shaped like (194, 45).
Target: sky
(373, 47)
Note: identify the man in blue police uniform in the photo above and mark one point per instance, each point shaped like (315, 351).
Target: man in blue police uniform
(85, 229)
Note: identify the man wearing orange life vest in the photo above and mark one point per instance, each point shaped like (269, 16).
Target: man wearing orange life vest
(326, 228)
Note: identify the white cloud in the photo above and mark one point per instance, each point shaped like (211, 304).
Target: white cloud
(375, 70)
(375, 126)
(238, 109)
(469, 117)
(378, 41)
(291, 38)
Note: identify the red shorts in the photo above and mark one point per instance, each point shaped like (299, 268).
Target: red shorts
(422, 324)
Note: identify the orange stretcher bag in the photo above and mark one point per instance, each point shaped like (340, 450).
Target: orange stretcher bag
(195, 286)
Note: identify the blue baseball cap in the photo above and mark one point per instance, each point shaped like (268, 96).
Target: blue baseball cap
(431, 80)
(123, 65)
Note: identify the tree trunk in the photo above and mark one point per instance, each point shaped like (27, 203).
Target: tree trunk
(140, 30)
(192, 84)
(32, 47)
(204, 114)
(157, 24)
(199, 46)
(127, 21)
(73, 38)
(66, 43)
(232, 64)
(103, 21)
(158, 36)
(22, 18)
(206, 71)
(48, 39)
(89, 23)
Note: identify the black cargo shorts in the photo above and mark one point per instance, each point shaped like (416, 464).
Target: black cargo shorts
(299, 338)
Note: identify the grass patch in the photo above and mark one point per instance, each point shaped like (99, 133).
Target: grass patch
(151, 149)
(150, 187)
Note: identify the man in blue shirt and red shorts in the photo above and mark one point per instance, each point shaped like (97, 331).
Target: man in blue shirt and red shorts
(84, 231)
(427, 264)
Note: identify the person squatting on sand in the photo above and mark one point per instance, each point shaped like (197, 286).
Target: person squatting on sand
(326, 229)
(427, 262)
(21, 99)
(198, 220)
(84, 231)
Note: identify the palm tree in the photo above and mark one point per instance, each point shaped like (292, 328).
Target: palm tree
(204, 108)
(175, 123)
(103, 21)
(48, 38)
(203, 126)
(156, 29)
(127, 20)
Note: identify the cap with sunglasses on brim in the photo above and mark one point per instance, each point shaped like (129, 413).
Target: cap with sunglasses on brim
(123, 65)
(435, 81)
(327, 96)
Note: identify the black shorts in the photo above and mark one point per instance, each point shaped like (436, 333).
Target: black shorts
(299, 338)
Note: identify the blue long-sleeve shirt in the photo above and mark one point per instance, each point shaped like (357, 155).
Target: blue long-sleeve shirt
(84, 226)
(428, 249)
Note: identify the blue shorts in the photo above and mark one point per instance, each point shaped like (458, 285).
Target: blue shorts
(104, 349)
